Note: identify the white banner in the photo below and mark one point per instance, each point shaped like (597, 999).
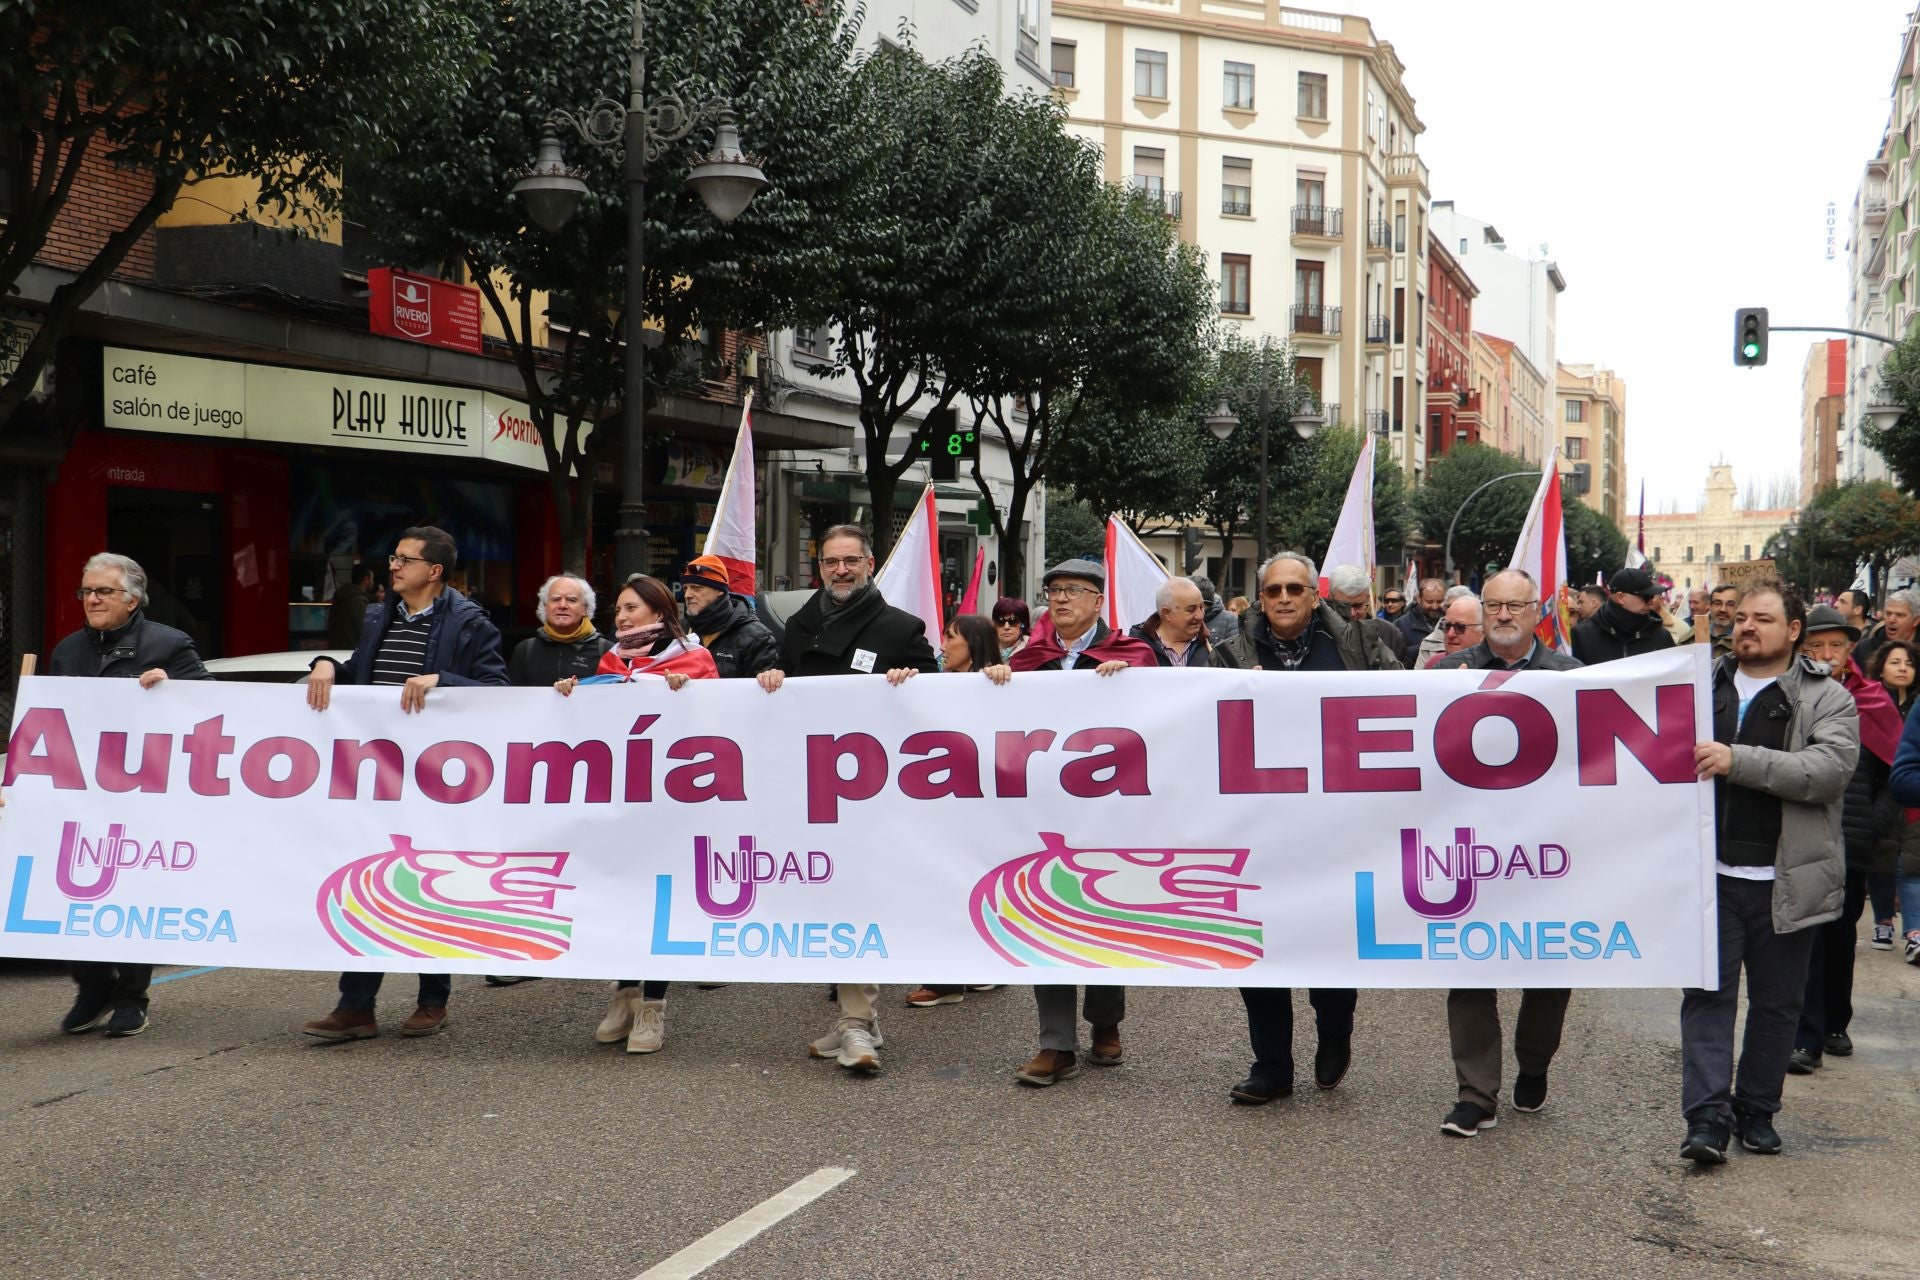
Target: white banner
(1174, 827)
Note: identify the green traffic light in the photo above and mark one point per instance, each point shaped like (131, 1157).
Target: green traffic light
(1752, 349)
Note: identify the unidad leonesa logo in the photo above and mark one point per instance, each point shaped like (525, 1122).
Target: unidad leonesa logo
(91, 873)
(447, 903)
(1156, 908)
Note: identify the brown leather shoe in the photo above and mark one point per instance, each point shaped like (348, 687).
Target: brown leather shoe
(344, 1024)
(1048, 1067)
(425, 1020)
(1106, 1047)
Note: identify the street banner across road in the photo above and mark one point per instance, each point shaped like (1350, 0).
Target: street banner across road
(1175, 827)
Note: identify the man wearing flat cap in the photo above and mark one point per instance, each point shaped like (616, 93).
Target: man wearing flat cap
(1080, 641)
(1626, 625)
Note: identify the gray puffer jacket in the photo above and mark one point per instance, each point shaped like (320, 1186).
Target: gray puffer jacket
(1809, 778)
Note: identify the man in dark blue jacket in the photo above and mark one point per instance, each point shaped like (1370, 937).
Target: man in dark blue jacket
(425, 635)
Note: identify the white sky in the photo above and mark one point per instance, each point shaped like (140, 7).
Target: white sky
(1677, 158)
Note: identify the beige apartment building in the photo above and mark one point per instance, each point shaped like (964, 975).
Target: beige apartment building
(1591, 426)
(1282, 141)
(1690, 546)
(1823, 413)
(1513, 396)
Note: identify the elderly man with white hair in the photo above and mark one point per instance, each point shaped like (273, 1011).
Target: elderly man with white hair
(1177, 632)
(1435, 643)
(567, 643)
(118, 640)
(1350, 592)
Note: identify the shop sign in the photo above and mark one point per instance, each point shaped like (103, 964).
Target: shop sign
(15, 336)
(187, 395)
(439, 313)
(695, 466)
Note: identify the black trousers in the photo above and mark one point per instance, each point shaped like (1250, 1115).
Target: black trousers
(124, 986)
(650, 990)
(1828, 1006)
(1270, 1024)
(1775, 965)
(359, 990)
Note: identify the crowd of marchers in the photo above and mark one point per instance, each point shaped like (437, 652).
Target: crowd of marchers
(1813, 759)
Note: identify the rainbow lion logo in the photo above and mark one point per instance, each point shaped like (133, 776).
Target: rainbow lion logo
(1117, 908)
(449, 904)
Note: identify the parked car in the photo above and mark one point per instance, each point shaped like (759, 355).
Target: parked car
(272, 668)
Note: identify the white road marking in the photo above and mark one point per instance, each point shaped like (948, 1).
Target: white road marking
(724, 1239)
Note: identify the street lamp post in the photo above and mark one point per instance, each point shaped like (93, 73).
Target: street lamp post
(726, 180)
(1461, 509)
(1223, 422)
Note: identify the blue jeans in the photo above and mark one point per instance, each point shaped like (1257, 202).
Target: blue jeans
(1909, 904)
(358, 990)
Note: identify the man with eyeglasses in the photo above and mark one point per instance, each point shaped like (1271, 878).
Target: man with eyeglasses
(118, 640)
(1352, 593)
(426, 636)
(1462, 626)
(1081, 640)
(1296, 631)
(846, 627)
(1512, 611)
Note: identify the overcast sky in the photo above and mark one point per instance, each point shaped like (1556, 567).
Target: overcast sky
(1678, 159)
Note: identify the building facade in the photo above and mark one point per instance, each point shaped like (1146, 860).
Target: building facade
(1515, 414)
(1456, 406)
(1690, 546)
(1823, 412)
(1518, 293)
(1283, 143)
(1591, 429)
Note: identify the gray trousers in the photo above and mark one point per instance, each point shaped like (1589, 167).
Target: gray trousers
(1105, 1007)
(1776, 967)
(1473, 1031)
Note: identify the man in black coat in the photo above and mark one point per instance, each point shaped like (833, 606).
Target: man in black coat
(1177, 632)
(1424, 612)
(567, 644)
(349, 612)
(846, 627)
(1512, 610)
(118, 640)
(732, 632)
(1626, 625)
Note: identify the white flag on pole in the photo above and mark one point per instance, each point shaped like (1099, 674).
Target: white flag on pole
(1353, 533)
(1134, 575)
(732, 535)
(910, 579)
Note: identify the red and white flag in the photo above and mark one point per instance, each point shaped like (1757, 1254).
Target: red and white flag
(1353, 532)
(970, 602)
(910, 579)
(732, 535)
(1542, 552)
(1134, 575)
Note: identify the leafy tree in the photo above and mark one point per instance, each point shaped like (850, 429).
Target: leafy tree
(783, 68)
(1484, 538)
(1141, 467)
(1230, 473)
(1312, 488)
(1595, 545)
(1864, 522)
(1899, 384)
(1072, 530)
(285, 91)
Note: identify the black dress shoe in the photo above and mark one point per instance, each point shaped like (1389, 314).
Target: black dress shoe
(1840, 1045)
(1330, 1062)
(1258, 1089)
(1802, 1062)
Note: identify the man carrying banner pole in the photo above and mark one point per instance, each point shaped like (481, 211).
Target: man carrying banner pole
(1297, 632)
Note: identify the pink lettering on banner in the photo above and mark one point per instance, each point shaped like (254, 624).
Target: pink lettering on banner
(389, 768)
(1343, 742)
(256, 767)
(1239, 775)
(716, 771)
(430, 772)
(151, 775)
(1122, 758)
(1604, 719)
(952, 766)
(1538, 741)
(827, 786)
(42, 746)
(1011, 752)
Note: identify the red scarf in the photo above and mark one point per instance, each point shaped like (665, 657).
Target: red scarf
(1880, 723)
(1113, 647)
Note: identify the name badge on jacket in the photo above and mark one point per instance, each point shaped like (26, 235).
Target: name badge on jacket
(863, 660)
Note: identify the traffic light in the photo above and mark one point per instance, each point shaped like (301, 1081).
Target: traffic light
(1750, 337)
(946, 444)
(1192, 541)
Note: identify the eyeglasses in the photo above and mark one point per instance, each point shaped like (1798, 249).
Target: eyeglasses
(1006, 622)
(1069, 593)
(1274, 590)
(401, 562)
(1514, 607)
(97, 593)
(1353, 606)
(1396, 599)
(1458, 628)
(842, 562)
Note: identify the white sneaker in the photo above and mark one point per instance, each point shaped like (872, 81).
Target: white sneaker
(828, 1045)
(619, 1020)
(857, 1049)
(1913, 948)
(649, 1027)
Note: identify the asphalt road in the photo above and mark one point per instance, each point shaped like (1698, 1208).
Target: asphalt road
(224, 1143)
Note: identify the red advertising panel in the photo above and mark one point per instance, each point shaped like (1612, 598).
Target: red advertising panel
(423, 309)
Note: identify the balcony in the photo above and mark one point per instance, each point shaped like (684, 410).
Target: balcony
(1874, 206)
(1332, 412)
(1236, 208)
(1377, 421)
(1379, 237)
(1312, 323)
(1155, 190)
(1405, 169)
(1317, 222)
(1379, 330)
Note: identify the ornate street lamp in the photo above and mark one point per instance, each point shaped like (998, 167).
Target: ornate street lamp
(726, 179)
(1223, 422)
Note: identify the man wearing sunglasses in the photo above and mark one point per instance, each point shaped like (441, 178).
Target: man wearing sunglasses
(118, 640)
(1512, 610)
(1296, 631)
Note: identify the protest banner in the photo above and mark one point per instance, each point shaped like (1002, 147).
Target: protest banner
(1743, 573)
(1161, 827)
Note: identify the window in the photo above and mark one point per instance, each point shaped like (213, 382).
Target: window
(1463, 246)
(1029, 21)
(1400, 232)
(1237, 92)
(1309, 285)
(1746, 551)
(1656, 554)
(1236, 280)
(1150, 170)
(1373, 130)
(1310, 191)
(1313, 95)
(1308, 371)
(1149, 73)
(1399, 315)
(1063, 51)
(1577, 450)
(1236, 186)
(1399, 398)
(810, 340)
(1576, 411)
(1716, 551)
(1689, 557)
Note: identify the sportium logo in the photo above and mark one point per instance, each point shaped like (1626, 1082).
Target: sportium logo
(448, 904)
(1155, 908)
(1443, 885)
